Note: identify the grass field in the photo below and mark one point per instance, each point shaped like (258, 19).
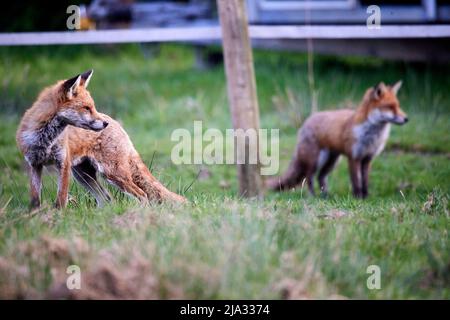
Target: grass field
(220, 246)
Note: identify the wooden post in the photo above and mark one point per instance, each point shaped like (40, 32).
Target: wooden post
(241, 89)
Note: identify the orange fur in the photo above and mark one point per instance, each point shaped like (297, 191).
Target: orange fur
(358, 134)
(64, 128)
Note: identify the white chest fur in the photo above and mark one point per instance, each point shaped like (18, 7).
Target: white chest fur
(370, 139)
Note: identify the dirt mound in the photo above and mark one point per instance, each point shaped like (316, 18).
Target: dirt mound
(107, 281)
(38, 269)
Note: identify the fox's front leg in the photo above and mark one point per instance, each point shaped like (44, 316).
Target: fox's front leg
(355, 176)
(63, 184)
(35, 173)
(365, 169)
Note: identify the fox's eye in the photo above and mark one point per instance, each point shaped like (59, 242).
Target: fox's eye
(87, 108)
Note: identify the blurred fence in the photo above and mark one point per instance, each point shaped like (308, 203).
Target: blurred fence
(213, 33)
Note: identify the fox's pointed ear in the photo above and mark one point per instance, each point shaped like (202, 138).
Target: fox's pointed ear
(378, 91)
(70, 86)
(396, 87)
(86, 77)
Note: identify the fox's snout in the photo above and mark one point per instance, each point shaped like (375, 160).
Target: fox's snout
(98, 125)
(84, 120)
(400, 118)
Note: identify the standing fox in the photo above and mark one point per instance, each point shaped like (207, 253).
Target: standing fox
(62, 127)
(358, 134)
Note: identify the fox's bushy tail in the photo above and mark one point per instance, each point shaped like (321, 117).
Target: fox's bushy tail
(291, 178)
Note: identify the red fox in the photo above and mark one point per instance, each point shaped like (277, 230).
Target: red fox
(62, 127)
(358, 134)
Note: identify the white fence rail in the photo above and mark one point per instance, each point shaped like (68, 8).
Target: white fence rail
(213, 33)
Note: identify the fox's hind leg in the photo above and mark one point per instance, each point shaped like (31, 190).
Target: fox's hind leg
(310, 172)
(86, 175)
(124, 182)
(327, 161)
(129, 187)
(310, 164)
